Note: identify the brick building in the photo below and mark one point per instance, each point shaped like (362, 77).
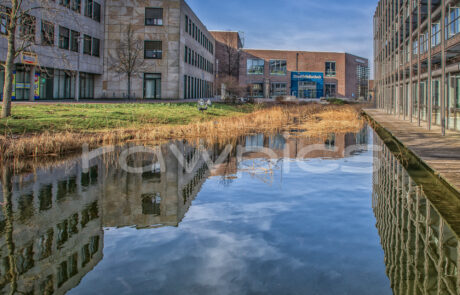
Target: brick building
(272, 73)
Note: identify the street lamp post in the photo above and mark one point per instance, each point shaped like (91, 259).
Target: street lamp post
(77, 78)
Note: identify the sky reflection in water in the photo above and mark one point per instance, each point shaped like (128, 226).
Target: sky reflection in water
(299, 233)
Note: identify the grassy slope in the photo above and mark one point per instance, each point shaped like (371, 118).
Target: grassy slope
(100, 117)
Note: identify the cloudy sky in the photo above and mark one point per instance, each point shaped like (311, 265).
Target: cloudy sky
(310, 25)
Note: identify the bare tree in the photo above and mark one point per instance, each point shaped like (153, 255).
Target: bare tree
(128, 59)
(18, 21)
(19, 26)
(230, 45)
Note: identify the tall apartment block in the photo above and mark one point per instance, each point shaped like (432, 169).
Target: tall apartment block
(303, 74)
(78, 49)
(417, 61)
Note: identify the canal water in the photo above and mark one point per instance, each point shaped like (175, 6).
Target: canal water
(272, 214)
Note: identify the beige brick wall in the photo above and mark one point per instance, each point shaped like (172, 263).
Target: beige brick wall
(121, 13)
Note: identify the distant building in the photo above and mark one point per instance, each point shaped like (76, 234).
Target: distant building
(272, 73)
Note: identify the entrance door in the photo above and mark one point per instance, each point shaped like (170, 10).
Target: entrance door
(307, 90)
(152, 86)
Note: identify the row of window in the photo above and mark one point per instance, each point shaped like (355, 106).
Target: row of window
(194, 31)
(197, 88)
(70, 40)
(193, 58)
(92, 9)
(279, 67)
(281, 89)
(452, 28)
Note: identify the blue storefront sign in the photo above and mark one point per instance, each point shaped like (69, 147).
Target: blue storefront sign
(307, 84)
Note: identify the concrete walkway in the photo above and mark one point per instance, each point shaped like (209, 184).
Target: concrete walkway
(440, 153)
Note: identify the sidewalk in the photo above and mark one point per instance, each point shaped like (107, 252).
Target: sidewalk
(440, 153)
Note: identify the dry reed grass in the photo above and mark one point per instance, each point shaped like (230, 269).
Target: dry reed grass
(345, 119)
(312, 117)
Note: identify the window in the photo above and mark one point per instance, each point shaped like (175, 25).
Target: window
(154, 16)
(96, 47)
(27, 28)
(424, 42)
(255, 66)
(415, 47)
(278, 67)
(64, 37)
(47, 33)
(435, 34)
(454, 21)
(186, 24)
(97, 11)
(330, 90)
(74, 42)
(89, 8)
(4, 19)
(65, 3)
(87, 44)
(153, 49)
(330, 69)
(76, 5)
(279, 89)
(152, 86)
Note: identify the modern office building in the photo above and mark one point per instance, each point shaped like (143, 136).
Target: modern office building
(417, 61)
(174, 51)
(272, 73)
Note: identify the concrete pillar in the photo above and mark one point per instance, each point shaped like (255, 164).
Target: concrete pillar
(267, 88)
(32, 84)
(428, 87)
(419, 73)
(443, 66)
(77, 86)
(411, 52)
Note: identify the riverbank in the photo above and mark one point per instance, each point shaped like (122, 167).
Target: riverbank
(440, 154)
(96, 125)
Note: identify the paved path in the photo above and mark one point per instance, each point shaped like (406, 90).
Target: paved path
(440, 153)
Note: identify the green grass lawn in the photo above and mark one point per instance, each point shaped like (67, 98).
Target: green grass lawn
(101, 117)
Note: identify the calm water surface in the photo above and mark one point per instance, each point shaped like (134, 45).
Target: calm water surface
(312, 216)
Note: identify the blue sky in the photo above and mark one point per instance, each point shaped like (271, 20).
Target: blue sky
(310, 25)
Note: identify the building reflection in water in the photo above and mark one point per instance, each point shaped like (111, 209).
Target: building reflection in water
(421, 250)
(52, 222)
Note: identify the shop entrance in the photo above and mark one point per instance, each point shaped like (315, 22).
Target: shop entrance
(307, 89)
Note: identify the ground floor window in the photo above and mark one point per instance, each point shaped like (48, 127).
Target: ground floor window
(256, 90)
(49, 84)
(309, 89)
(197, 88)
(331, 90)
(21, 84)
(86, 86)
(64, 85)
(152, 86)
(46, 84)
(436, 102)
(278, 89)
(2, 82)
